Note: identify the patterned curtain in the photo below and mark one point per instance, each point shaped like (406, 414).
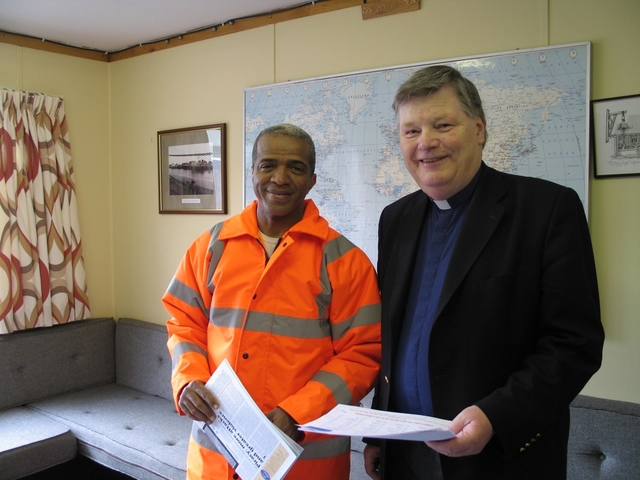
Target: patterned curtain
(42, 276)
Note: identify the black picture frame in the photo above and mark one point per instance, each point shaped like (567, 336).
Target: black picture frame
(192, 170)
(616, 136)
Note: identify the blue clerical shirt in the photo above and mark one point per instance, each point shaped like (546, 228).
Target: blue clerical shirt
(440, 230)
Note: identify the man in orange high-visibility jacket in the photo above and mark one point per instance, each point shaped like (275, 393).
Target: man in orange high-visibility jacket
(288, 301)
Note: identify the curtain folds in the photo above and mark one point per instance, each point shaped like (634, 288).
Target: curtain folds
(42, 275)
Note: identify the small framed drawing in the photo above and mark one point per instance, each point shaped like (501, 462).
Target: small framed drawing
(192, 169)
(616, 136)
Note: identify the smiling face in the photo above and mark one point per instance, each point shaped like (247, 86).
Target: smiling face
(440, 143)
(282, 178)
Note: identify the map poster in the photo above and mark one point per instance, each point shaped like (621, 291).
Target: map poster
(536, 102)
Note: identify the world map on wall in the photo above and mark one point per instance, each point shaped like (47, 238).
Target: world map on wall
(536, 104)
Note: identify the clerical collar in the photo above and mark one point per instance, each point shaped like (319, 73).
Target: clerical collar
(461, 197)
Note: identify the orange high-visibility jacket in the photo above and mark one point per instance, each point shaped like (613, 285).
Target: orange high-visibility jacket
(301, 329)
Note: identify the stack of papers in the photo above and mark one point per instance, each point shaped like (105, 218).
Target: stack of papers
(253, 446)
(352, 421)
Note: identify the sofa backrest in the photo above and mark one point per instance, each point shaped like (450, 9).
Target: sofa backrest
(46, 361)
(142, 357)
(603, 439)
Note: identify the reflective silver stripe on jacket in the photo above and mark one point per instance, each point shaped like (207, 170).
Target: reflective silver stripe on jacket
(187, 294)
(337, 385)
(331, 447)
(184, 347)
(292, 326)
(216, 247)
(265, 322)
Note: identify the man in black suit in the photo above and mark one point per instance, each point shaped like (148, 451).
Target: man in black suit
(490, 309)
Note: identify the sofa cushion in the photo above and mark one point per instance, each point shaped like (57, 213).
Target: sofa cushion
(142, 357)
(127, 430)
(602, 439)
(47, 361)
(31, 442)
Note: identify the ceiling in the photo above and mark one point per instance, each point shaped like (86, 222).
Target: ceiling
(114, 25)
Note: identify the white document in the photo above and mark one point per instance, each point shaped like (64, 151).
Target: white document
(353, 421)
(253, 446)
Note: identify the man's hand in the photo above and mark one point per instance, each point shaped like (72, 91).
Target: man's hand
(198, 403)
(473, 431)
(284, 422)
(371, 456)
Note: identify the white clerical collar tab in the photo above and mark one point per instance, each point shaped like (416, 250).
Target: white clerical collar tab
(442, 204)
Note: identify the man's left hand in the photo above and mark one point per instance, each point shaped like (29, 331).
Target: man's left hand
(284, 422)
(473, 431)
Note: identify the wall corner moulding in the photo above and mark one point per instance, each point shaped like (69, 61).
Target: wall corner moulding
(304, 9)
(382, 8)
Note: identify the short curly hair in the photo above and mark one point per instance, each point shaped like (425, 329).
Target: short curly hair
(287, 130)
(432, 79)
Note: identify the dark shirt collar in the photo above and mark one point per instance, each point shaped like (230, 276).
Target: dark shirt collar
(461, 197)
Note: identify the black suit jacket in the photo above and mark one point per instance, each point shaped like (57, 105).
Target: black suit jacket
(517, 330)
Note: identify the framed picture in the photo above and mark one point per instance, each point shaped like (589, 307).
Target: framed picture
(616, 136)
(192, 169)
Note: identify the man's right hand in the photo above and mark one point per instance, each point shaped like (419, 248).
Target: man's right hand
(198, 403)
(371, 456)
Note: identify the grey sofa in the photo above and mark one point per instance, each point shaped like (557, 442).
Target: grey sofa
(101, 389)
(94, 388)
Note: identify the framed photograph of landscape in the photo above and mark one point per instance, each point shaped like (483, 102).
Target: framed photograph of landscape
(192, 169)
(616, 136)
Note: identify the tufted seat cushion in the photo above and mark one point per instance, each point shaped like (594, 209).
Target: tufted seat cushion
(603, 439)
(119, 427)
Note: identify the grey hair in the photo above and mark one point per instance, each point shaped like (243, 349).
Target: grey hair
(287, 130)
(432, 79)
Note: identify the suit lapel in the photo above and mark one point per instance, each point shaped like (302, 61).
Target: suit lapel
(483, 217)
(403, 257)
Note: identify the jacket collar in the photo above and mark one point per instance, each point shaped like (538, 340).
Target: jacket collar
(246, 223)
(483, 217)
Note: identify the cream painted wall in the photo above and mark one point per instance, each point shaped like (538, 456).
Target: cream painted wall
(176, 88)
(341, 41)
(10, 71)
(612, 26)
(203, 83)
(84, 86)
